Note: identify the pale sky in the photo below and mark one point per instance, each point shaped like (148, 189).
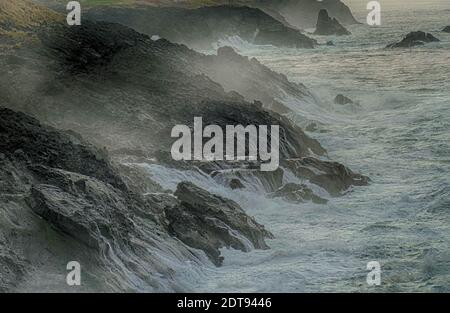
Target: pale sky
(360, 5)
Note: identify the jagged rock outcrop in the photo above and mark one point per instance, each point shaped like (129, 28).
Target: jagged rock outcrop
(202, 27)
(327, 25)
(331, 176)
(125, 91)
(236, 184)
(303, 13)
(73, 187)
(90, 215)
(253, 80)
(413, 39)
(300, 13)
(209, 222)
(446, 29)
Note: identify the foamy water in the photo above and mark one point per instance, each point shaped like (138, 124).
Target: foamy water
(399, 135)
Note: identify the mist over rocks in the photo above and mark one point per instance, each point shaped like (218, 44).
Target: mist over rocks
(327, 25)
(100, 212)
(253, 80)
(126, 91)
(200, 28)
(343, 100)
(303, 13)
(297, 194)
(413, 39)
(93, 214)
(122, 92)
(299, 13)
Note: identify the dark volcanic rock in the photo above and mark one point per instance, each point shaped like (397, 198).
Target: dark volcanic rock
(125, 92)
(63, 199)
(342, 100)
(200, 28)
(327, 25)
(418, 38)
(297, 193)
(209, 222)
(446, 29)
(236, 184)
(87, 213)
(332, 176)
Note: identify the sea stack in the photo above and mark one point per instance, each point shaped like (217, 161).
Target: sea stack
(327, 25)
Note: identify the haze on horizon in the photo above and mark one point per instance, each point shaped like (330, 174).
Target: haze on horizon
(360, 5)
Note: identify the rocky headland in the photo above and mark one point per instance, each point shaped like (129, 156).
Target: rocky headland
(200, 28)
(95, 102)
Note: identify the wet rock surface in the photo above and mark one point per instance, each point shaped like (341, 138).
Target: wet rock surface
(331, 176)
(413, 39)
(90, 211)
(298, 194)
(65, 198)
(96, 210)
(236, 184)
(327, 25)
(446, 29)
(209, 222)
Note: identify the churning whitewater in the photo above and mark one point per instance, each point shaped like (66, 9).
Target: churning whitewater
(396, 131)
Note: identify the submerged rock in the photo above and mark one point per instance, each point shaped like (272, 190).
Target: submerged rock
(327, 25)
(209, 222)
(331, 176)
(418, 38)
(61, 199)
(297, 193)
(342, 100)
(311, 127)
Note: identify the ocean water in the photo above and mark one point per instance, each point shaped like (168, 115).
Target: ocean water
(398, 135)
